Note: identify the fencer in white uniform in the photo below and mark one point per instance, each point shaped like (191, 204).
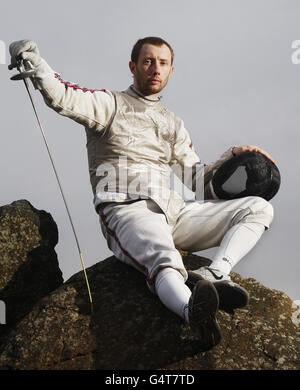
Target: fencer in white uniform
(132, 141)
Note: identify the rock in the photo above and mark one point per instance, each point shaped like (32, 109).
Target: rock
(265, 335)
(51, 326)
(29, 266)
(130, 329)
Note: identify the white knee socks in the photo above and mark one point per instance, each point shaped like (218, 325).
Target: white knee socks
(173, 292)
(236, 243)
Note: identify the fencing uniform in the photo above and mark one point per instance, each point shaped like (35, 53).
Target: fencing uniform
(139, 234)
(132, 142)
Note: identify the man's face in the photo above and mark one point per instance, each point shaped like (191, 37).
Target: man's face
(153, 69)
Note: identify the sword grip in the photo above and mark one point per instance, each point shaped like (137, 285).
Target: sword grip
(21, 69)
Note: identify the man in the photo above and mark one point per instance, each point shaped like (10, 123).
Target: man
(132, 141)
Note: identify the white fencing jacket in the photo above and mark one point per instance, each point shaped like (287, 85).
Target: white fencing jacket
(133, 143)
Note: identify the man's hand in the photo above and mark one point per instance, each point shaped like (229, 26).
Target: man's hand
(26, 50)
(236, 150)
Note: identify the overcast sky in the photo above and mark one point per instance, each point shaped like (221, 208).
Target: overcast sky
(234, 83)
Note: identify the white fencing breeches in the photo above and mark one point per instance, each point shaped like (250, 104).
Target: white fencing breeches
(138, 234)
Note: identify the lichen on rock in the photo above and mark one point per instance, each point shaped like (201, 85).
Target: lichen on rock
(130, 328)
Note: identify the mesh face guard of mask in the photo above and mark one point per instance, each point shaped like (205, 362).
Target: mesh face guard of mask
(248, 174)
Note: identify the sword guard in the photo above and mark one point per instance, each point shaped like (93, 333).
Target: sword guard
(23, 75)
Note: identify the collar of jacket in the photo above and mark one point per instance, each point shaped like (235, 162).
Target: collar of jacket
(135, 93)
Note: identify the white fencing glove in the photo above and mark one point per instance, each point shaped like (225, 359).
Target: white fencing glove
(28, 51)
(24, 50)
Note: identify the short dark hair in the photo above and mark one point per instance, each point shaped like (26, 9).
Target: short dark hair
(156, 41)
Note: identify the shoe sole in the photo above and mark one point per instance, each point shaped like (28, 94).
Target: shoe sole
(231, 296)
(203, 307)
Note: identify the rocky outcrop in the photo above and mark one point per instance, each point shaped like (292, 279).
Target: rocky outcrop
(130, 329)
(29, 266)
(265, 335)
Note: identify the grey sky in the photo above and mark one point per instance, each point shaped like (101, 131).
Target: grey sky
(234, 83)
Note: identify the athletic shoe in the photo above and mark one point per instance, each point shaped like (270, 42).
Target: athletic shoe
(231, 295)
(203, 306)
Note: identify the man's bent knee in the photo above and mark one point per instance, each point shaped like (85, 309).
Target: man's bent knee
(258, 210)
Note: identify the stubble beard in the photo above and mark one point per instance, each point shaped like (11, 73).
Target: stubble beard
(147, 89)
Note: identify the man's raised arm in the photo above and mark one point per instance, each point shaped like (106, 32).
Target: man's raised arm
(91, 108)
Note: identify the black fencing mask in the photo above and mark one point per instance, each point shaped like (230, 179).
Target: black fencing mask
(248, 174)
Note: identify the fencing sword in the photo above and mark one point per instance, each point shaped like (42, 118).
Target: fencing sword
(24, 75)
